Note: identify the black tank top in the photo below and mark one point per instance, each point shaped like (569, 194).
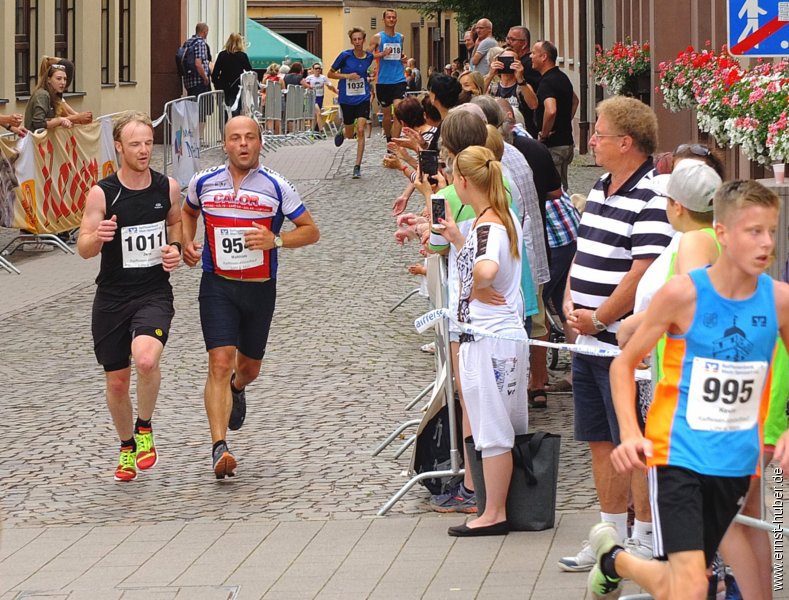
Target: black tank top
(142, 230)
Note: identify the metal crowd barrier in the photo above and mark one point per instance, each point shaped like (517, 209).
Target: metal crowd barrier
(213, 115)
(442, 390)
(294, 110)
(29, 239)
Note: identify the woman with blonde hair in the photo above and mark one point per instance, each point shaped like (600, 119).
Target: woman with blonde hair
(44, 109)
(230, 64)
(493, 371)
(473, 84)
(47, 108)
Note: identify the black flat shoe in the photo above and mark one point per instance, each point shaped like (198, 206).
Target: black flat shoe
(464, 530)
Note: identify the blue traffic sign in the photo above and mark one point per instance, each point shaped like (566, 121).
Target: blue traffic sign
(758, 27)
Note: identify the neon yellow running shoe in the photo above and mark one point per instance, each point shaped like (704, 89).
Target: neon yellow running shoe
(147, 457)
(127, 467)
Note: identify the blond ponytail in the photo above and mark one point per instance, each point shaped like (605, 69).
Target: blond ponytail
(479, 165)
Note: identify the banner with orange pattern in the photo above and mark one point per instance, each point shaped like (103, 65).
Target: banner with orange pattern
(45, 177)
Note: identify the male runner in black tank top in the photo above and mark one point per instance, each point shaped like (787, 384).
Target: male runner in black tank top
(133, 218)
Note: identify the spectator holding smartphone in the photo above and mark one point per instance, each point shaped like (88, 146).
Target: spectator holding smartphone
(508, 67)
(493, 372)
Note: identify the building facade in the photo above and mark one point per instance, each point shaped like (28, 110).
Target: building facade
(321, 26)
(174, 22)
(578, 26)
(108, 41)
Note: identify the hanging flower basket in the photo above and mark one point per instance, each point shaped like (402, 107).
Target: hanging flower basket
(619, 68)
(737, 106)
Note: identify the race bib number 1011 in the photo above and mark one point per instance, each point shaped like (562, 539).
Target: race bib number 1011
(142, 245)
(725, 395)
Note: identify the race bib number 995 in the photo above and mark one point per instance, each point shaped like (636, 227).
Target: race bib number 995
(725, 395)
(142, 245)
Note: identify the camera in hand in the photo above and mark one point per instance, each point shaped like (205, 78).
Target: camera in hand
(428, 164)
(507, 62)
(438, 210)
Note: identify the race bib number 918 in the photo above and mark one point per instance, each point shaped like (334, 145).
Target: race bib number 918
(725, 395)
(397, 51)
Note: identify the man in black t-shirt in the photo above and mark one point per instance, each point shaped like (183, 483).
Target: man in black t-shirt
(519, 41)
(133, 218)
(556, 107)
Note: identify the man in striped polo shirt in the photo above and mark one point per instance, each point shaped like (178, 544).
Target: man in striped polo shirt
(623, 229)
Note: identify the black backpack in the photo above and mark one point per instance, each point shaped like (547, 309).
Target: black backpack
(185, 58)
(431, 452)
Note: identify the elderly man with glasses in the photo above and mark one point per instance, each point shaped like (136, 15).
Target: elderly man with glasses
(485, 41)
(624, 228)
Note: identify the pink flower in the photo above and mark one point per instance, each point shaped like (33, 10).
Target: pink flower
(756, 95)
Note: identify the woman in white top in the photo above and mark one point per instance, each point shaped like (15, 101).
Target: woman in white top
(493, 372)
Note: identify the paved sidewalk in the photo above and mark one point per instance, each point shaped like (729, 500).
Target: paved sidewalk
(299, 520)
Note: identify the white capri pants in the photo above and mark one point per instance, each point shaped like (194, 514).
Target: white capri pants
(494, 376)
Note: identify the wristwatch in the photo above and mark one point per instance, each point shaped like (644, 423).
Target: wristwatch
(277, 241)
(177, 245)
(598, 325)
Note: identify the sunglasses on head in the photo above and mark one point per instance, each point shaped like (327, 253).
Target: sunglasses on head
(697, 149)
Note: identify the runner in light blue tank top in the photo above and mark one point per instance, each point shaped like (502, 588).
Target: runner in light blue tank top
(387, 48)
(702, 432)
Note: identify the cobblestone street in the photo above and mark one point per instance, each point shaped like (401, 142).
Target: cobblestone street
(339, 370)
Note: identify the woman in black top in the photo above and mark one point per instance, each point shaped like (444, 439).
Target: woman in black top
(230, 64)
(295, 76)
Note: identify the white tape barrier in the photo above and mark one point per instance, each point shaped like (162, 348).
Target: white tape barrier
(428, 320)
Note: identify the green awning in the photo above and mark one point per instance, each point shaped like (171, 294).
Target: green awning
(266, 47)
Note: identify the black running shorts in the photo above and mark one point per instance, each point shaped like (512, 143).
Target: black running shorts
(351, 112)
(387, 93)
(116, 322)
(237, 313)
(691, 511)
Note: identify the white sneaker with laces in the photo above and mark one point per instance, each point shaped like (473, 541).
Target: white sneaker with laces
(583, 561)
(638, 549)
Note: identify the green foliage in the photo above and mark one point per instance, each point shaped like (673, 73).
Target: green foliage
(503, 13)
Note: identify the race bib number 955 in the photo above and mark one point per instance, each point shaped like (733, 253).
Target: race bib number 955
(725, 395)
(231, 251)
(142, 245)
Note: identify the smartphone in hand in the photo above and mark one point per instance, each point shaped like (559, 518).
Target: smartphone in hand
(507, 62)
(437, 211)
(428, 164)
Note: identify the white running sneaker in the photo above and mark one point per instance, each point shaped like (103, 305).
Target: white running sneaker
(638, 549)
(583, 561)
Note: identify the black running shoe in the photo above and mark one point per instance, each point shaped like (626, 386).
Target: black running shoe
(224, 462)
(239, 411)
